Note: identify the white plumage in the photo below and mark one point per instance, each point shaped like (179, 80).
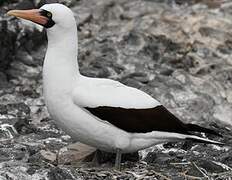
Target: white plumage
(94, 92)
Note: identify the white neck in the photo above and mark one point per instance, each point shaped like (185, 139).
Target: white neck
(60, 66)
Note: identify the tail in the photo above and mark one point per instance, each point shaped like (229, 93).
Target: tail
(196, 128)
(203, 140)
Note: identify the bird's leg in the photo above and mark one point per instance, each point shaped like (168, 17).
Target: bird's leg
(118, 159)
(57, 157)
(96, 157)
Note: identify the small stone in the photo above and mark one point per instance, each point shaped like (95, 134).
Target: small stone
(25, 4)
(87, 33)
(181, 78)
(25, 58)
(166, 72)
(157, 158)
(62, 173)
(48, 155)
(74, 153)
(211, 167)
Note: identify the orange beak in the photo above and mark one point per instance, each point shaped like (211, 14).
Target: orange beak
(32, 15)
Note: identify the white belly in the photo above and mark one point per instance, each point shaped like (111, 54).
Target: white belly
(85, 128)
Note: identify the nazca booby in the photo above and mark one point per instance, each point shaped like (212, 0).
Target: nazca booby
(102, 113)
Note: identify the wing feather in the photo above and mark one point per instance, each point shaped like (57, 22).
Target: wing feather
(104, 92)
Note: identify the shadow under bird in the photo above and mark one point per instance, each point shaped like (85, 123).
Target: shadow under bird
(99, 112)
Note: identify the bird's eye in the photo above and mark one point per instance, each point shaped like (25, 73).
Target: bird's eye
(49, 14)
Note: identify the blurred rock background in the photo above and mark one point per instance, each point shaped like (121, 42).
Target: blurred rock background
(179, 51)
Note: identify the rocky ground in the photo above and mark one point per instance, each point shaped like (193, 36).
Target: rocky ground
(180, 52)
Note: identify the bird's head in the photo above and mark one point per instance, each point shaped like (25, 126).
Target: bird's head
(49, 15)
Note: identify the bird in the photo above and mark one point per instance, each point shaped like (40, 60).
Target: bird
(100, 112)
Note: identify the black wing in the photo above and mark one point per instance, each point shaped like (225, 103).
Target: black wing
(145, 120)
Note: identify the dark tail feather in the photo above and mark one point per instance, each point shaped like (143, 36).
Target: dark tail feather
(194, 127)
(201, 140)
